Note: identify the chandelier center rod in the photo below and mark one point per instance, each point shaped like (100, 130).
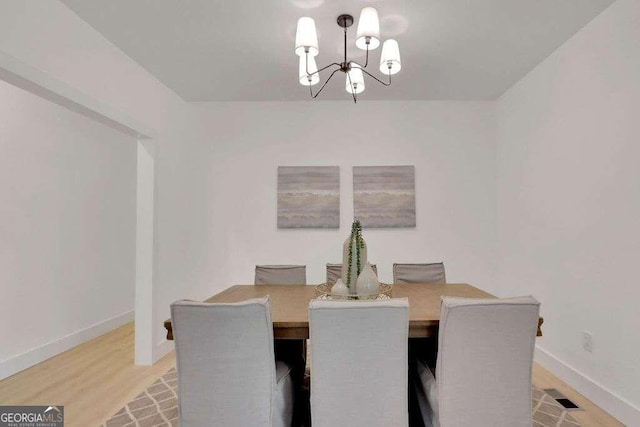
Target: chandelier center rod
(345, 21)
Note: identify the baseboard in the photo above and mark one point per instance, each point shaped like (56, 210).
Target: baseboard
(36, 355)
(162, 348)
(615, 405)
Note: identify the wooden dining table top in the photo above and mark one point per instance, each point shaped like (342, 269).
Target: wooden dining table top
(290, 305)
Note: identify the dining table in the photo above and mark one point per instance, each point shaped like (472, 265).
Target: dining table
(290, 305)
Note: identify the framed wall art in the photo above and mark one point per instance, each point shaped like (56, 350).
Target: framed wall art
(384, 196)
(308, 197)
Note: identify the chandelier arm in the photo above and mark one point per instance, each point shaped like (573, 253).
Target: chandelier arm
(306, 65)
(321, 69)
(353, 93)
(323, 85)
(377, 79)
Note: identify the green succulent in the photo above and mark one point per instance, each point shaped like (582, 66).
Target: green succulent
(356, 236)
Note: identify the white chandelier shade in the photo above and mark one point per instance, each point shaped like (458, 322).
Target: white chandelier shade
(390, 57)
(368, 28)
(306, 37)
(308, 64)
(354, 79)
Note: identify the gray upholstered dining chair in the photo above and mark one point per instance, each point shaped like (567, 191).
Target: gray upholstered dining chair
(227, 372)
(293, 352)
(419, 273)
(281, 275)
(483, 371)
(359, 363)
(334, 272)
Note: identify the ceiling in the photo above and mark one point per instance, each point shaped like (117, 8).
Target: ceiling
(233, 50)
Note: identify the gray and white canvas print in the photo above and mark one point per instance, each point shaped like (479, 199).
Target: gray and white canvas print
(384, 196)
(308, 197)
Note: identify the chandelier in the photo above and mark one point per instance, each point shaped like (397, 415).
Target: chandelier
(367, 38)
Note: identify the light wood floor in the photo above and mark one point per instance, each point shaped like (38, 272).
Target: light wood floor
(592, 416)
(94, 380)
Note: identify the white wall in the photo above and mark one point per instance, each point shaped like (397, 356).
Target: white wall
(569, 205)
(67, 228)
(50, 37)
(451, 145)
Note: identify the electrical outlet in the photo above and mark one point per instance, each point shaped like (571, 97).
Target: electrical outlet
(587, 341)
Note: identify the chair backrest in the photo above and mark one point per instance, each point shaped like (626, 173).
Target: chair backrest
(281, 275)
(485, 358)
(334, 272)
(225, 362)
(419, 273)
(359, 362)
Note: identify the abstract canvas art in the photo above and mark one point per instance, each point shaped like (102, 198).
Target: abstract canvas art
(308, 197)
(384, 196)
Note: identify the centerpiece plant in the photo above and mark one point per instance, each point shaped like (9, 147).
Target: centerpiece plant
(354, 257)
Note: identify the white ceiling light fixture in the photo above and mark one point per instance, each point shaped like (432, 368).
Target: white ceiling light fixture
(306, 37)
(367, 38)
(368, 29)
(355, 79)
(310, 64)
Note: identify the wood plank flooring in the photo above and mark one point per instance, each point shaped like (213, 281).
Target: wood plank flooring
(592, 416)
(94, 380)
